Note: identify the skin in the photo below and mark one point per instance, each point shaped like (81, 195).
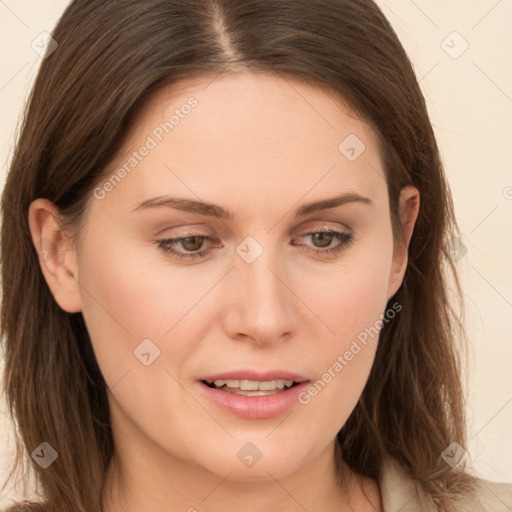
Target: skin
(259, 146)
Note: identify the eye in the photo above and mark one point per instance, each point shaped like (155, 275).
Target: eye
(193, 243)
(324, 238)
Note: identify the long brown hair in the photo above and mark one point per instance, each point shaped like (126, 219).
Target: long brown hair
(114, 54)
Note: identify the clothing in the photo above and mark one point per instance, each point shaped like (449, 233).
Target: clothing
(401, 494)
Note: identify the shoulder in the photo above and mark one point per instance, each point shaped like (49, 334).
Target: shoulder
(400, 493)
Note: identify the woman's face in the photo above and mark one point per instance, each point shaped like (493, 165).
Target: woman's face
(234, 167)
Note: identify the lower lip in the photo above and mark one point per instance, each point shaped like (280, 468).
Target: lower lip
(255, 407)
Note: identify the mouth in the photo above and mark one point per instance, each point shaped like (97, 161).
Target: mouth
(253, 395)
(247, 387)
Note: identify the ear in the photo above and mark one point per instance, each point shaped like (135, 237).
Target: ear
(57, 255)
(409, 206)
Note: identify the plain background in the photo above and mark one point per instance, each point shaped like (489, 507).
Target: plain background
(469, 96)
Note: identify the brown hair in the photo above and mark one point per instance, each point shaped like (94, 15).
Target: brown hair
(112, 55)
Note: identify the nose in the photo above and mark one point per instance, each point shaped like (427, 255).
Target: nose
(262, 307)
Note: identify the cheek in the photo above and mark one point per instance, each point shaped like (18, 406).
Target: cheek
(352, 304)
(129, 297)
(349, 295)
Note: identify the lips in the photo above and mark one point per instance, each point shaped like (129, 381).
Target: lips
(252, 394)
(253, 375)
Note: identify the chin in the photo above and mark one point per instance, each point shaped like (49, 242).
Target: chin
(260, 472)
(249, 464)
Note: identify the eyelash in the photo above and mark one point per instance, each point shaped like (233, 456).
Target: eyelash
(345, 240)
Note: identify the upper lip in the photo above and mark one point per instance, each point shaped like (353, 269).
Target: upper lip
(255, 376)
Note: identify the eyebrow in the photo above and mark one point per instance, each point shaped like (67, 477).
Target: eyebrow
(216, 211)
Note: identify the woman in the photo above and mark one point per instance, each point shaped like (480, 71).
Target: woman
(223, 251)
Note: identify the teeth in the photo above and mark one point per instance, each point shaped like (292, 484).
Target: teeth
(267, 386)
(238, 391)
(254, 385)
(250, 385)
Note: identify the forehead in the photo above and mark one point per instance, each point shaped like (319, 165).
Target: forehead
(253, 131)
(246, 98)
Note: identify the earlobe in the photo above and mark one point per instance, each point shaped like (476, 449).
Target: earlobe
(57, 256)
(409, 205)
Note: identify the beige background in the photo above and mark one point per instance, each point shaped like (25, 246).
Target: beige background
(470, 102)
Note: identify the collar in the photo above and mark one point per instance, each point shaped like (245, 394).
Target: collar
(400, 493)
